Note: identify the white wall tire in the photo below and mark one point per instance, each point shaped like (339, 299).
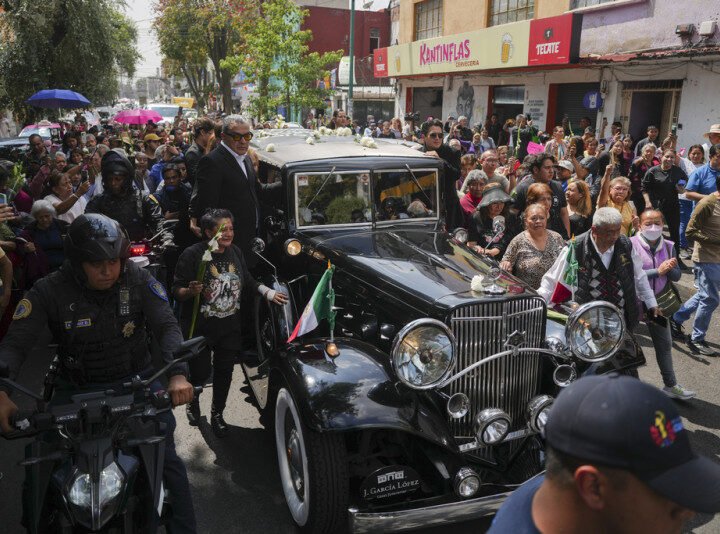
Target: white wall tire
(313, 471)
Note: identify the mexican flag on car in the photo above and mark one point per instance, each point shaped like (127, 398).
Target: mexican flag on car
(320, 306)
(566, 284)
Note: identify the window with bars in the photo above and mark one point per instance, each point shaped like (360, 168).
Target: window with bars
(504, 11)
(428, 19)
(577, 4)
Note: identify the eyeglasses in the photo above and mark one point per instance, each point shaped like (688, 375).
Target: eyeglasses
(435, 135)
(237, 136)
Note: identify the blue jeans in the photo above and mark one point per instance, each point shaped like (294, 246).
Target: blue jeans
(686, 209)
(707, 278)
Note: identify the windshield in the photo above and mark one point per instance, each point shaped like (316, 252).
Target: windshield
(333, 198)
(406, 194)
(345, 197)
(165, 111)
(43, 131)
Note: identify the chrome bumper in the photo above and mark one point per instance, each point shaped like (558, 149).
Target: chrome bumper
(429, 516)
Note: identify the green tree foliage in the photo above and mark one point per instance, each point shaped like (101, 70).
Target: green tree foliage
(64, 44)
(276, 58)
(193, 32)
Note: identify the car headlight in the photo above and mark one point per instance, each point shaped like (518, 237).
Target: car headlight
(538, 410)
(491, 426)
(594, 331)
(111, 483)
(423, 353)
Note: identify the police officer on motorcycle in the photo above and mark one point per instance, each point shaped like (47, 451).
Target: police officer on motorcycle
(121, 201)
(96, 307)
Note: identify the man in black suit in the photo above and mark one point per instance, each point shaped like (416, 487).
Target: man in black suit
(225, 178)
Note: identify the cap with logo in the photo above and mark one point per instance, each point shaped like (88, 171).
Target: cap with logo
(618, 421)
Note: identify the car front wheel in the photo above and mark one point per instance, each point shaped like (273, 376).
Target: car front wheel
(313, 471)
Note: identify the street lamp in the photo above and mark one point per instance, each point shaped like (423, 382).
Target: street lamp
(366, 5)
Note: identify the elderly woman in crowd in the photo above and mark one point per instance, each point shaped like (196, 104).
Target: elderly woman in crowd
(532, 252)
(638, 170)
(661, 268)
(472, 189)
(67, 204)
(482, 237)
(539, 193)
(661, 186)
(579, 206)
(615, 193)
(41, 242)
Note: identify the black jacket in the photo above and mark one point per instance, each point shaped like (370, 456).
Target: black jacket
(136, 212)
(192, 158)
(220, 183)
(98, 340)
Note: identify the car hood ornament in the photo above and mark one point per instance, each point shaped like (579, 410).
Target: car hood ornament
(514, 341)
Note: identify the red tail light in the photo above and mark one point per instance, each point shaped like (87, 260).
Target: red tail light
(139, 249)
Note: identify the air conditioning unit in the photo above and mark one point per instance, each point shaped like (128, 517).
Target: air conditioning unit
(707, 28)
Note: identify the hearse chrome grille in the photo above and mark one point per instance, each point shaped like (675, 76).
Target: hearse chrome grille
(482, 330)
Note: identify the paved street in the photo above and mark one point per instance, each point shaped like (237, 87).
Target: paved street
(235, 480)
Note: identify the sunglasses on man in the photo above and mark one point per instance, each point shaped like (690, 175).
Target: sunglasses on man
(237, 136)
(435, 135)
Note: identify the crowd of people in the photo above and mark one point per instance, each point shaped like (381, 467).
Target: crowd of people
(646, 202)
(523, 203)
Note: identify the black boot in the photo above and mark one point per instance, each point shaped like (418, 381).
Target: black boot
(219, 427)
(192, 409)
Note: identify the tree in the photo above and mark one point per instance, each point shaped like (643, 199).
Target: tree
(276, 58)
(64, 44)
(193, 32)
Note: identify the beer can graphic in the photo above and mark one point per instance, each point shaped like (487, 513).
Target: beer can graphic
(397, 61)
(507, 48)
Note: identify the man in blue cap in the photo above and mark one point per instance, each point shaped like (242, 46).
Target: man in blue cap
(618, 460)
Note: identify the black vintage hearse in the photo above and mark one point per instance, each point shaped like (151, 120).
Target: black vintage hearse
(428, 404)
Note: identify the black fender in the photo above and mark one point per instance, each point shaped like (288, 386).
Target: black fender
(629, 356)
(357, 390)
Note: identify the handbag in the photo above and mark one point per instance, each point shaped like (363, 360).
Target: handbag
(668, 299)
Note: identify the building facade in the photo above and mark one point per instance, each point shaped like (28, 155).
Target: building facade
(639, 62)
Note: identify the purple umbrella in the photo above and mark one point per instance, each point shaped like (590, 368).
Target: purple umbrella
(137, 116)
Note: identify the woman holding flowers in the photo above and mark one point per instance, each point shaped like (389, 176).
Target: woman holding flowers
(210, 277)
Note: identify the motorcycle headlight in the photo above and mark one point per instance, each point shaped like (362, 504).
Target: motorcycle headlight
(594, 331)
(111, 483)
(423, 353)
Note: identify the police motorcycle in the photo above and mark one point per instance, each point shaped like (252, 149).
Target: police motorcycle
(150, 253)
(97, 462)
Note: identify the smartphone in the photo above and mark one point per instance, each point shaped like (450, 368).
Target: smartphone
(660, 320)
(673, 130)
(3, 198)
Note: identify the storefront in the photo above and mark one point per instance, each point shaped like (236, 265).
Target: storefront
(485, 71)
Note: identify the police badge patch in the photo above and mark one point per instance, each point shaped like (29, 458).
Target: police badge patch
(157, 288)
(22, 310)
(128, 329)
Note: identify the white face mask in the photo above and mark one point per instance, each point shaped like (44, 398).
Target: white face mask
(652, 232)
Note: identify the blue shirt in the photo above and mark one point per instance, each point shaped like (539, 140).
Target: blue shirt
(515, 515)
(703, 180)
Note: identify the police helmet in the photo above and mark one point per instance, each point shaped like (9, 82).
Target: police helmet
(115, 162)
(95, 237)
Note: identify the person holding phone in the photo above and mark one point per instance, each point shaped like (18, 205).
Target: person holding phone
(661, 267)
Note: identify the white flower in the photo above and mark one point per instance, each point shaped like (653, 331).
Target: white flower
(207, 256)
(316, 134)
(213, 244)
(477, 283)
(310, 140)
(270, 147)
(280, 118)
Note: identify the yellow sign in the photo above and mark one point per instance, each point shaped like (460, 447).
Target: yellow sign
(496, 47)
(183, 102)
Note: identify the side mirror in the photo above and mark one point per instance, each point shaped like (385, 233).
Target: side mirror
(460, 235)
(190, 348)
(257, 245)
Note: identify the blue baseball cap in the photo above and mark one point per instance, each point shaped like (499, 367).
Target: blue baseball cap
(620, 422)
